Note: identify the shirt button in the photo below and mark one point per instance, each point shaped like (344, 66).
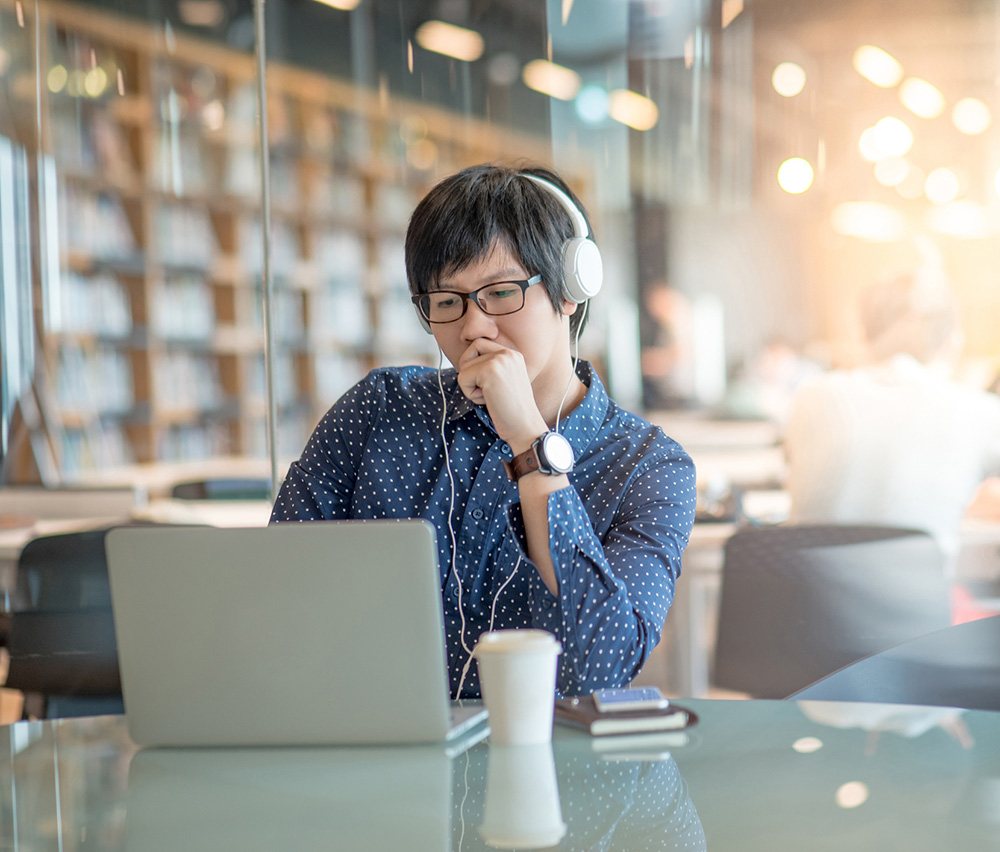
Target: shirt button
(477, 513)
(505, 448)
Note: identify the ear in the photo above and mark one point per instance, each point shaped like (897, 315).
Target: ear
(569, 308)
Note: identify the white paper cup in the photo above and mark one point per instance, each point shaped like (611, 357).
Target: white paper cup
(517, 673)
(522, 798)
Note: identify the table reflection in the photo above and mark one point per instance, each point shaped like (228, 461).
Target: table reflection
(752, 776)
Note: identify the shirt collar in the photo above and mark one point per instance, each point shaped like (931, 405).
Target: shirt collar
(580, 427)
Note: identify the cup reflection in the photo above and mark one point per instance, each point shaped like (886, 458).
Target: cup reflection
(522, 808)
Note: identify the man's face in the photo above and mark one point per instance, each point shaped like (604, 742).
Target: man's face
(536, 331)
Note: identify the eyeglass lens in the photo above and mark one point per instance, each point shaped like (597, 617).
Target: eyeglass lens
(496, 300)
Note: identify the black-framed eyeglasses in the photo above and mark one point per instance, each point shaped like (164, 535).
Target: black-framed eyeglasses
(497, 300)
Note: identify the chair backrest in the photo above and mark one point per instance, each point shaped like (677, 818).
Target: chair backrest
(799, 602)
(955, 667)
(63, 572)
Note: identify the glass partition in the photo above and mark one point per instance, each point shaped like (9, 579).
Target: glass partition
(752, 170)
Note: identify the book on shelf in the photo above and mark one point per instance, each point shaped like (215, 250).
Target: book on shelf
(582, 713)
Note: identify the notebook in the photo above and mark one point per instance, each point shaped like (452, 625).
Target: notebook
(322, 633)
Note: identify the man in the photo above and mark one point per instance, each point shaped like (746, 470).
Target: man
(898, 442)
(586, 544)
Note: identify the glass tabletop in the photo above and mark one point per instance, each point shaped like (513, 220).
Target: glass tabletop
(767, 775)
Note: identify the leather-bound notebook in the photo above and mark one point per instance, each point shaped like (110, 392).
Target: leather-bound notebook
(582, 713)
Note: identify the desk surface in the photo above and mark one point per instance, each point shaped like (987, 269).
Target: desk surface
(755, 775)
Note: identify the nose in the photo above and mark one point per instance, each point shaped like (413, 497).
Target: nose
(476, 323)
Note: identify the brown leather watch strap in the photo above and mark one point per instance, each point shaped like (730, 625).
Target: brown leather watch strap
(521, 464)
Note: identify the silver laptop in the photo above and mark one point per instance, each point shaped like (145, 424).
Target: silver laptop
(322, 633)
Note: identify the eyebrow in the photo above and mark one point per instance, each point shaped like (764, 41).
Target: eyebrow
(508, 273)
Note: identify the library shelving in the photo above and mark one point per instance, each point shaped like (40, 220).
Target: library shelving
(150, 329)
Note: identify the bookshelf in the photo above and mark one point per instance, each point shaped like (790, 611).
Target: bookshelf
(151, 334)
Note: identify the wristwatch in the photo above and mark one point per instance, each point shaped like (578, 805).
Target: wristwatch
(550, 454)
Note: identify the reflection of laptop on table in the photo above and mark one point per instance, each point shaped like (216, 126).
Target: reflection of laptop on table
(323, 633)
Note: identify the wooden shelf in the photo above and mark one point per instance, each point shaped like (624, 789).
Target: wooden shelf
(173, 181)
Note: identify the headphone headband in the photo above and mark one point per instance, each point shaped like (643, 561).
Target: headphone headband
(583, 268)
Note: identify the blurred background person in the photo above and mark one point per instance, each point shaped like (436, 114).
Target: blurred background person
(898, 442)
(667, 351)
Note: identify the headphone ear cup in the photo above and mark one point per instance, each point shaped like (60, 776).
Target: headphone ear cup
(583, 269)
(423, 321)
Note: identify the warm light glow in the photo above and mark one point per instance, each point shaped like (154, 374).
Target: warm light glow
(795, 175)
(213, 115)
(633, 109)
(868, 146)
(971, 116)
(788, 79)
(921, 98)
(56, 80)
(964, 219)
(345, 5)
(891, 171)
(852, 794)
(942, 186)
(868, 220)
(456, 42)
(95, 82)
(807, 745)
(551, 79)
(876, 65)
(912, 186)
(893, 137)
(730, 10)
(201, 13)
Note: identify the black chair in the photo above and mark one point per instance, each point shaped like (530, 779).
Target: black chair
(955, 667)
(800, 602)
(61, 637)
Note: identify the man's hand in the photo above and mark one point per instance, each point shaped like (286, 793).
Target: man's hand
(492, 375)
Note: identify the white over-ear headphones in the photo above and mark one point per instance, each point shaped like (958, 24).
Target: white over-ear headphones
(583, 268)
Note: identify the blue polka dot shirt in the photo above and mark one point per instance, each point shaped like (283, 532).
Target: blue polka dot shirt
(616, 535)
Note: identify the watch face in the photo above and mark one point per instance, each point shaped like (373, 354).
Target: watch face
(556, 453)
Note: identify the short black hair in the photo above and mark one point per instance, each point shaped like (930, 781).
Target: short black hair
(469, 213)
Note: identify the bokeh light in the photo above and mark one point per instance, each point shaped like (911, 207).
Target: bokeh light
(971, 116)
(893, 137)
(788, 79)
(942, 185)
(876, 65)
(921, 98)
(795, 175)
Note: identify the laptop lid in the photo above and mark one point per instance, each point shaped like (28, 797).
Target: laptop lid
(295, 634)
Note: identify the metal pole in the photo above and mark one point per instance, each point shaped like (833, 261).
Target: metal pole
(265, 219)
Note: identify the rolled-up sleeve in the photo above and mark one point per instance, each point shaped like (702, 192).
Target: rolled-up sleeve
(614, 591)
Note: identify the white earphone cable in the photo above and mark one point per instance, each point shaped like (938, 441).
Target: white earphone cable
(576, 360)
(451, 529)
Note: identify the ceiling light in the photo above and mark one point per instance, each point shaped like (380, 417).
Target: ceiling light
(971, 116)
(95, 82)
(788, 79)
(921, 98)
(877, 223)
(795, 175)
(942, 186)
(456, 42)
(876, 65)
(893, 137)
(807, 745)
(551, 79)
(344, 5)
(632, 109)
(57, 78)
